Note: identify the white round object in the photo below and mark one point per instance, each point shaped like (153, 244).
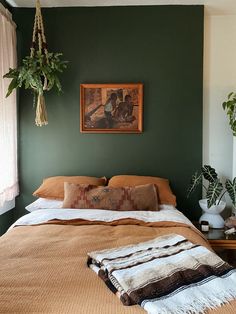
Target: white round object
(214, 220)
(214, 209)
(212, 214)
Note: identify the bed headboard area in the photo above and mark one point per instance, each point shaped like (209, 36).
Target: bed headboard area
(159, 46)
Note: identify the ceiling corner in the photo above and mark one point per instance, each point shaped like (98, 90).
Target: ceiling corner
(12, 3)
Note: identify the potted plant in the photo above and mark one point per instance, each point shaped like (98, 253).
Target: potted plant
(39, 71)
(230, 107)
(215, 190)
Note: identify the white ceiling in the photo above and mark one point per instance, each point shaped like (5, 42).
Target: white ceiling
(214, 7)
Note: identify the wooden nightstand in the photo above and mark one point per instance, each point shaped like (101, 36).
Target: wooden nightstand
(219, 241)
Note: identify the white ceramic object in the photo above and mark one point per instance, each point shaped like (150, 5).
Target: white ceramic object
(212, 214)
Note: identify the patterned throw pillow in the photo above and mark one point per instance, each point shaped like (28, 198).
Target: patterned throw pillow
(143, 197)
(164, 193)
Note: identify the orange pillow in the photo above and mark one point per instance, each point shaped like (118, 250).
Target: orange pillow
(142, 197)
(164, 192)
(53, 187)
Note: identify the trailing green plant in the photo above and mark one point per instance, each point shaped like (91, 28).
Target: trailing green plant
(215, 190)
(230, 107)
(37, 73)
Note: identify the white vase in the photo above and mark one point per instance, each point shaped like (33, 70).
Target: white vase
(212, 214)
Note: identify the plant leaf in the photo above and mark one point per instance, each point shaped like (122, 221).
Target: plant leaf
(230, 94)
(12, 86)
(209, 173)
(231, 189)
(213, 192)
(230, 107)
(195, 180)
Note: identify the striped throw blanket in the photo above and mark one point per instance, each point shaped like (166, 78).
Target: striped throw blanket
(167, 275)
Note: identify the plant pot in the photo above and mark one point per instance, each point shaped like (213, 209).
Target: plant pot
(212, 214)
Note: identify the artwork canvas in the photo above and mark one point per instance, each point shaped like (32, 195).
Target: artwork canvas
(111, 108)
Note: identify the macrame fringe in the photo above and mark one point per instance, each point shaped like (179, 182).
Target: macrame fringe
(198, 307)
(198, 302)
(41, 117)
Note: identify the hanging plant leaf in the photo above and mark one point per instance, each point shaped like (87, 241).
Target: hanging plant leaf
(209, 173)
(231, 189)
(12, 86)
(213, 192)
(195, 180)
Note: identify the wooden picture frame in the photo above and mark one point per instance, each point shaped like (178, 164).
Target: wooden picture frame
(111, 108)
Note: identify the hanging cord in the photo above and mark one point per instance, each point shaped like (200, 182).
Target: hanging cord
(39, 43)
(38, 34)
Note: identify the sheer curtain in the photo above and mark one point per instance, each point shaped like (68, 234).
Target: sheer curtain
(8, 111)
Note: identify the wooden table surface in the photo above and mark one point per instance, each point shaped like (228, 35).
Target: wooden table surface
(220, 241)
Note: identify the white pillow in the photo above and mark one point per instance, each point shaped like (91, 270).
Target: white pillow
(43, 203)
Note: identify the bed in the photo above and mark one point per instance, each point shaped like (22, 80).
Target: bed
(44, 257)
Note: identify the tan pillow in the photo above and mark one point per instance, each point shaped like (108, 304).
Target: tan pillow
(53, 187)
(165, 195)
(143, 197)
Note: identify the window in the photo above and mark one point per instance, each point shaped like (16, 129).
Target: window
(8, 111)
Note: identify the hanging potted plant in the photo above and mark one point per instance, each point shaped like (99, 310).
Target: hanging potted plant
(213, 205)
(39, 71)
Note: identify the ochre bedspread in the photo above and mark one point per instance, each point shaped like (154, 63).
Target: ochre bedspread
(43, 267)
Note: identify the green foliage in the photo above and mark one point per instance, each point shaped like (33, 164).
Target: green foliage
(213, 192)
(195, 181)
(209, 173)
(37, 73)
(231, 189)
(230, 107)
(215, 189)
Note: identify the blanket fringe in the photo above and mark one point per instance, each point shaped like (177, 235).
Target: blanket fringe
(190, 306)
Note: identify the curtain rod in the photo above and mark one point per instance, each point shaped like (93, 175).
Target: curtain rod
(7, 14)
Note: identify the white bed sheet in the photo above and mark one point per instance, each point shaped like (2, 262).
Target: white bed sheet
(167, 213)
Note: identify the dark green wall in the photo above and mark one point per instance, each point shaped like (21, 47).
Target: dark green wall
(160, 46)
(5, 221)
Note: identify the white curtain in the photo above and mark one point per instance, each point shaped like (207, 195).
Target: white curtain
(8, 111)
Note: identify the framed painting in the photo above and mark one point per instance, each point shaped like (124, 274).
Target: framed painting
(111, 108)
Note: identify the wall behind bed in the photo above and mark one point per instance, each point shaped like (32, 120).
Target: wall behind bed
(160, 46)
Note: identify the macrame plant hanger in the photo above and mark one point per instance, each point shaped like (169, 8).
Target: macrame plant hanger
(39, 45)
